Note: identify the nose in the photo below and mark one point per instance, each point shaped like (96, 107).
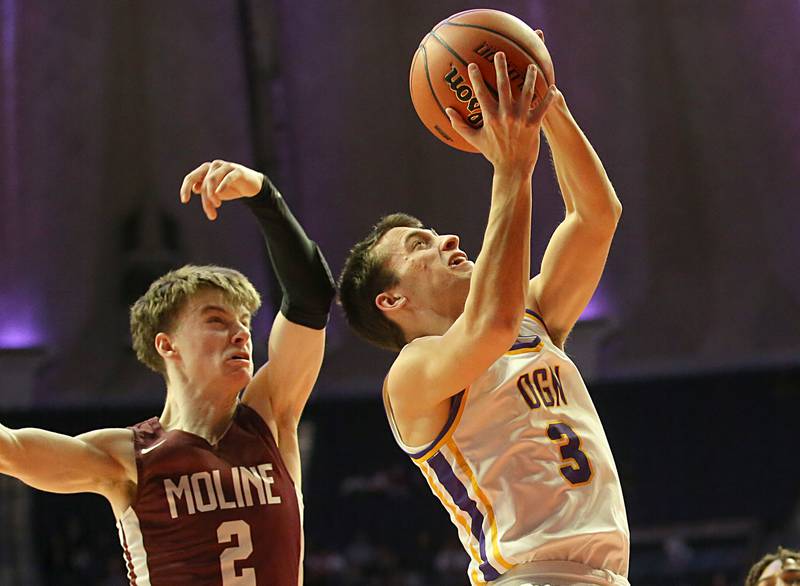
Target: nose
(241, 336)
(449, 242)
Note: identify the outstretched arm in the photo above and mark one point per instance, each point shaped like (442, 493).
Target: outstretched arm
(100, 461)
(574, 259)
(280, 389)
(429, 371)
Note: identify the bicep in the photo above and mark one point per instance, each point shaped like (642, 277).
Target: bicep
(280, 388)
(571, 269)
(63, 464)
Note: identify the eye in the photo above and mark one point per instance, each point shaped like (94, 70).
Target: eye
(417, 244)
(216, 320)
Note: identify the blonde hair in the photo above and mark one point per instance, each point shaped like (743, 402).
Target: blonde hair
(157, 309)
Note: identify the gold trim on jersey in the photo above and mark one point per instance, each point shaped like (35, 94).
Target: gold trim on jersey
(536, 317)
(475, 578)
(462, 463)
(434, 449)
(457, 514)
(534, 350)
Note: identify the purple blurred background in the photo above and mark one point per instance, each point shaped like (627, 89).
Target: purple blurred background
(692, 106)
(105, 106)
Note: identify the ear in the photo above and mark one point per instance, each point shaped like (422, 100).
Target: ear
(388, 301)
(164, 345)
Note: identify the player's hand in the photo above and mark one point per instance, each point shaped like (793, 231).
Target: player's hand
(220, 181)
(509, 137)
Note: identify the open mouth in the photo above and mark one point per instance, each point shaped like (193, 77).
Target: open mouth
(240, 356)
(457, 259)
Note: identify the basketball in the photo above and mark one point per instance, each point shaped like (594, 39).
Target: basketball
(439, 78)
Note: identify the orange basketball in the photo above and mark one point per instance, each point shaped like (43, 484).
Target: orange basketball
(439, 76)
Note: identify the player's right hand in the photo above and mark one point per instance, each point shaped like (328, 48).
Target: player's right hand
(509, 137)
(220, 181)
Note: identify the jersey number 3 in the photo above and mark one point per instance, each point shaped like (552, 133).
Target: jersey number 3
(236, 553)
(577, 469)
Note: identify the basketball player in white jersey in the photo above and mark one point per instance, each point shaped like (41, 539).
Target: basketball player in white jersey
(482, 395)
(209, 492)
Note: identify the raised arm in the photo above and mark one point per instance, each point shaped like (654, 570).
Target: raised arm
(280, 389)
(430, 370)
(574, 259)
(100, 461)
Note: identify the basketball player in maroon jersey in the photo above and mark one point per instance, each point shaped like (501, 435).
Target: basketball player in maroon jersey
(209, 492)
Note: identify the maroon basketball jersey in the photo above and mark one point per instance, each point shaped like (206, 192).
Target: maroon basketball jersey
(203, 515)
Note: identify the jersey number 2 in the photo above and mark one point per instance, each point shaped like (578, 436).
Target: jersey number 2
(230, 555)
(578, 469)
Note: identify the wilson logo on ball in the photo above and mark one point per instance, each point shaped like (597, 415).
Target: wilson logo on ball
(464, 94)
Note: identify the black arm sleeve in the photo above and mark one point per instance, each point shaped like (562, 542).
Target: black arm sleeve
(305, 279)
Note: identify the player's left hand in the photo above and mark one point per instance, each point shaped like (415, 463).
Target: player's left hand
(220, 181)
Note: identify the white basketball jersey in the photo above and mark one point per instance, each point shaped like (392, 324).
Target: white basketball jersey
(523, 465)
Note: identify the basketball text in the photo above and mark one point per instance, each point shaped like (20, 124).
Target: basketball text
(464, 94)
(486, 51)
(203, 492)
(542, 387)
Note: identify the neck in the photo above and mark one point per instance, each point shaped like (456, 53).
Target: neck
(201, 411)
(427, 323)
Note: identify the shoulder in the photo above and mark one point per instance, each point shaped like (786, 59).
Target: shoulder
(406, 366)
(117, 444)
(111, 439)
(409, 370)
(259, 418)
(417, 348)
(248, 416)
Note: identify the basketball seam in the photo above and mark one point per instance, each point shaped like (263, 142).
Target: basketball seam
(433, 93)
(461, 59)
(499, 34)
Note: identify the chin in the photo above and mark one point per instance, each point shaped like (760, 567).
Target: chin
(242, 377)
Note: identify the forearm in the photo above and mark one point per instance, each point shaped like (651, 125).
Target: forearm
(584, 183)
(299, 265)
(500, 278)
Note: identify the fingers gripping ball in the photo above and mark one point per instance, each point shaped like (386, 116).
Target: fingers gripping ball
(439, 76)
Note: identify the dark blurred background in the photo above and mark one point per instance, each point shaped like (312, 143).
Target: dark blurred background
(691, 345)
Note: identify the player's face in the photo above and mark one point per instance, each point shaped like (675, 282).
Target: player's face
(781, 573)
(213, 343)
(432, 270)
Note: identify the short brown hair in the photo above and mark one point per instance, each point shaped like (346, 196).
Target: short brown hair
(365, 276)
(156, 310)
(758, 568)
